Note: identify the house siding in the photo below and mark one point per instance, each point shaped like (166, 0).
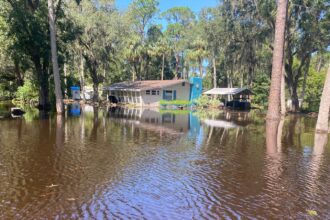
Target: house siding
(182, 93)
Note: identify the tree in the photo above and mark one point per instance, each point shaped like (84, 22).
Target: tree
(275, 88)
(98, 38)
(322, 124)
(307, 33)
(141, 14)
(179, 19)
(56, 72)
(28, 27)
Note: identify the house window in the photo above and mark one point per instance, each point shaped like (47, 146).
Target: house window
(183, 83)
(147, 92)
(168, 95)
(157, 92)
(153, 92)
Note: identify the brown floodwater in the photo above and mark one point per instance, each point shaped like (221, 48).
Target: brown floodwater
(143, 164)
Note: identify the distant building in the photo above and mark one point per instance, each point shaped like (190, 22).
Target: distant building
(75, 91)
(151, 92)
(236, 98)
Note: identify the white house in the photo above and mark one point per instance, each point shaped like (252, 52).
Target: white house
(150, 92)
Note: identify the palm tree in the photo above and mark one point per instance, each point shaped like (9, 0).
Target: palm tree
(322, 124)
(278, 54)
(57, 79)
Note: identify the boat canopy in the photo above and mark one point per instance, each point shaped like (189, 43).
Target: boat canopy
(229, 91)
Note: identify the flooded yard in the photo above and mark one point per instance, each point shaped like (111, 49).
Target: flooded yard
(149, 164)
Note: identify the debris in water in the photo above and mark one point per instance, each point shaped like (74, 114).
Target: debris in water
(312, 212)
(51, 186)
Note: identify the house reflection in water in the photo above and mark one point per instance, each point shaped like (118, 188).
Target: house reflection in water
(153, 120)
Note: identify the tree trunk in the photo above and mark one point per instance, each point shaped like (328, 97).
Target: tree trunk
(82, 77)
(19, 77)
(294, 99)
(200, 63)
(278, 54)
(163, 66)
(43, 84)
(214, 73)
(305, 80)
(283, 104)
(57, 79)
(176, 66)
(272, 136)
(95, 91)
(322, 124)
(65, 81)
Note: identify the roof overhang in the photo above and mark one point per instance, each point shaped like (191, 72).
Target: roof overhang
(229, 91)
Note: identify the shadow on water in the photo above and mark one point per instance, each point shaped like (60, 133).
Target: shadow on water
(150, 164)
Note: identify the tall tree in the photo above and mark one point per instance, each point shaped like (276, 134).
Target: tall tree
(275, 88)
(56, 72)
(322, 124)
(180, 19)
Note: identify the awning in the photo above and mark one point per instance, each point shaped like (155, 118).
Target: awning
(229, 91)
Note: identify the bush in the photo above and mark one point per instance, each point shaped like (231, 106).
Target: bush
(27, 93)
(206, 101)
(261, 90)
(202, 101)
(314, 88)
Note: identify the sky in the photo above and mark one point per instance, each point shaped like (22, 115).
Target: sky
(194, 5)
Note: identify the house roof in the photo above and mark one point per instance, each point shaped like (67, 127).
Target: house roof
(144, 85)
(229, 91)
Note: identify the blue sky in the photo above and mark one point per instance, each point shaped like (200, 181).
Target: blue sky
(194, 5)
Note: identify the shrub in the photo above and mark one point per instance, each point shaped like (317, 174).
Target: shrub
(27, 93)
(202, 101)
(206, 101)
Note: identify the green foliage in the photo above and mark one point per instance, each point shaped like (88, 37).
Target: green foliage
(202, 101)
(314, 87)
(207, 101)
(261, 90)
(27, 93)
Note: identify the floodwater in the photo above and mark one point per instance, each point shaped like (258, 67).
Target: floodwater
(144, 164)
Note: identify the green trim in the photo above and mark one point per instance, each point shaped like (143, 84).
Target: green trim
(175, 102)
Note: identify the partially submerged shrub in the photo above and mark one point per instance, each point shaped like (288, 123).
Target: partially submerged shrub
(206, 101)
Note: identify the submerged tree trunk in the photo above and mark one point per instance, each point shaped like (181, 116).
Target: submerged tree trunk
(278, 54)
(56, 72)
(322, 124)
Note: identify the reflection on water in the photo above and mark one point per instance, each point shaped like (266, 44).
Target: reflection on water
(146, 164)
